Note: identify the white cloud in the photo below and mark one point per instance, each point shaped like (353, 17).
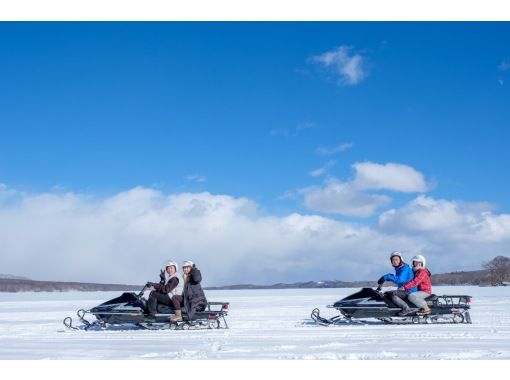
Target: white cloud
(8, 195)
(456, 235)
(196, 178)
(324, 151)
(342, 198)
(323, 170)
(127, 237)
(452, 219)
(347, 66)
(390, 176)
(352, 198)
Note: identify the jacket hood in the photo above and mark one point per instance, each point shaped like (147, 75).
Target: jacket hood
(425, 269)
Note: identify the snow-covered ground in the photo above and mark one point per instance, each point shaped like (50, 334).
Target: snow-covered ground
(264, 324)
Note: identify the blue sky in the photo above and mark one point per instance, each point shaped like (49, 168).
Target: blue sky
(245, 110)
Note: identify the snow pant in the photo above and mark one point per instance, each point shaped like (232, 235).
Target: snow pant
(155, 298)
(398, 297)
(418, 298)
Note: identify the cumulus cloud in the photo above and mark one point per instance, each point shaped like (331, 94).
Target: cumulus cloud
(324, 151)
(352, 198)
(125, 238)
(443, 218)
(390, 176)
(342, 198)
(458, 234)
(349, 67)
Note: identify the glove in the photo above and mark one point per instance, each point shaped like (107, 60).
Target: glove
(380, 281)
(162, 276)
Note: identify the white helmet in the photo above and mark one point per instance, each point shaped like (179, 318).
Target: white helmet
(188, 263)
(397, 253)
(419, 259)
(172, 263)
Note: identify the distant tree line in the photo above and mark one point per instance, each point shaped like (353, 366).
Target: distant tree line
(478, 277)
(498, 270)
(16, 285)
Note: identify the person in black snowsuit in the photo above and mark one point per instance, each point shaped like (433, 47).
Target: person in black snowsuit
(193, 295)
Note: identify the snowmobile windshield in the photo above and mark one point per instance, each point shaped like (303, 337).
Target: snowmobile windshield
(363, 293)
(124, 298)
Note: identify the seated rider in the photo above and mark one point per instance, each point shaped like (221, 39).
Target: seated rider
(169, 293)
(194, 297)
(403, 274)
(422, 281)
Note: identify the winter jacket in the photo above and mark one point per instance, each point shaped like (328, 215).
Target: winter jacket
(173, 286)
(421, 280)
(403, 274)
(194, 297)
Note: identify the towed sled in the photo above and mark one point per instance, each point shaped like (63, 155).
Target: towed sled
(369, 303)
(128, 312)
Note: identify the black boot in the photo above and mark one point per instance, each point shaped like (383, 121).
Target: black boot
(152, 306)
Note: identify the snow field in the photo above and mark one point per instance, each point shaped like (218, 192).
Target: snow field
(264, 324)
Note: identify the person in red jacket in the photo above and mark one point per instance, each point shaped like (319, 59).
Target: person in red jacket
(422, 281)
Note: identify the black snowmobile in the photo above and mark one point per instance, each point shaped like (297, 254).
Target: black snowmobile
(128, 311)
(369, 303)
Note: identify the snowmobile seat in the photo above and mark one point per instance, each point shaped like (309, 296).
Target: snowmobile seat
(432, 298)
(164, 309)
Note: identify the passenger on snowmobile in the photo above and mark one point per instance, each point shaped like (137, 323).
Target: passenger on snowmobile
(169, 293)
(422, 281)
(194, 297)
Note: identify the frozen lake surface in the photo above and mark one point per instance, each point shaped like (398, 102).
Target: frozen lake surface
(264, 324)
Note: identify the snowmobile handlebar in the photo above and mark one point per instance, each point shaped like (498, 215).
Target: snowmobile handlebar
(149, 284)
(142, 291)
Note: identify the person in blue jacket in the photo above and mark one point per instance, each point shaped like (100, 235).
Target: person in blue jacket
(403, 274)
